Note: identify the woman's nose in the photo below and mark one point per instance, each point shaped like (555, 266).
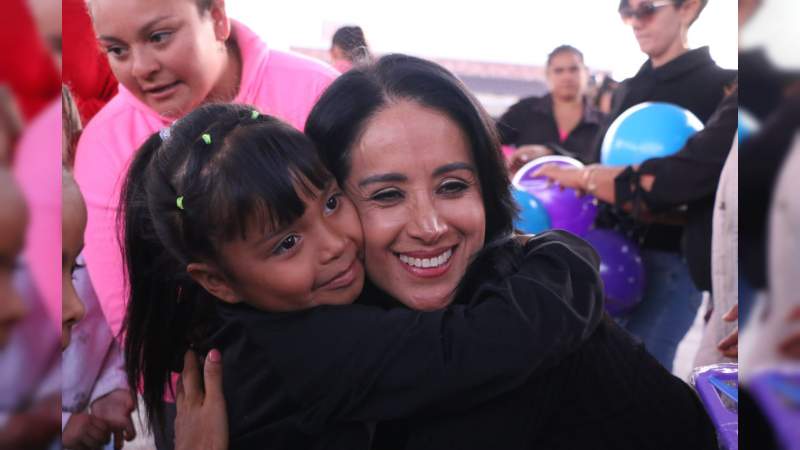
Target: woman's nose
(426, 224)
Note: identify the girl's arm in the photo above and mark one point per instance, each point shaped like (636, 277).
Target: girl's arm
(363, 363)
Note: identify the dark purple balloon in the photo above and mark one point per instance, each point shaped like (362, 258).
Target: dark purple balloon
(566, 210)
(620, 268)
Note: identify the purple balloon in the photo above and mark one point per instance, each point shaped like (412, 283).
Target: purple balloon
(620, 268)
(567, 211)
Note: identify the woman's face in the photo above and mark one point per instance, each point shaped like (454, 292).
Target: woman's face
(315, 261)
(566, 75)
(166, 52)
(13, 220)
(73, 224)
(658, 33)
(417, 192)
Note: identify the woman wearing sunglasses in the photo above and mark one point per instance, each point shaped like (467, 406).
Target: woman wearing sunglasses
(689, 78)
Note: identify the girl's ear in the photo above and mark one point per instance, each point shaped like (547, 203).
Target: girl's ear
(222, 24)
(213, 281)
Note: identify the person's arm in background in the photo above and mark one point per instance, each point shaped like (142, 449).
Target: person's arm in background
(660, 184)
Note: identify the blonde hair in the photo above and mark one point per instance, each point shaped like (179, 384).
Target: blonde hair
(70, 127)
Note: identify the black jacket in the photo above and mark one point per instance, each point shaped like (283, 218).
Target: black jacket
(692, 81)
(690, 177)
(321, 378)
(531, 121)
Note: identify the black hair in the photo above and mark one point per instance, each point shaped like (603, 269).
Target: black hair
(231, 169)
(563, 49)
(339, 117)
(676, 3)
(352, 42)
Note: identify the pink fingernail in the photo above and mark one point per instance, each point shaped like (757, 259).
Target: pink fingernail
(214, 356)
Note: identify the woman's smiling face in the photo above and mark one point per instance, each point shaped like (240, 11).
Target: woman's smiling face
(416, 188)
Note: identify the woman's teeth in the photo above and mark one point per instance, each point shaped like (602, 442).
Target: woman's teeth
(426, 263)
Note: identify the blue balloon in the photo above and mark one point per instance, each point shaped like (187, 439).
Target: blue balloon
(533, 218)
(748, 125)
(647, 130)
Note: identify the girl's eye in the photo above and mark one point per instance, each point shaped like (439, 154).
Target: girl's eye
(160, 37)
(453, 187)
(332, 203)
(387, 196)
(287, 244)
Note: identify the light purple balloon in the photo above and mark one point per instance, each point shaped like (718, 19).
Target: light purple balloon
(567, 211)
(620, 268)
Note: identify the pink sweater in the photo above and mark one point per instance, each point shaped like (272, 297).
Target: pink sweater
(281, 84)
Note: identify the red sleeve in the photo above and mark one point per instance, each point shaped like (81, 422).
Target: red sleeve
(26, 64)
(86, 70)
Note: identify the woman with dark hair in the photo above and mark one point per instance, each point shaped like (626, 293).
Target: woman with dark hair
(348, 48)
(564, 121)
(419, 158)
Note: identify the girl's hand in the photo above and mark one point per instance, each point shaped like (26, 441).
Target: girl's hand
(116, 408)
(526, 153)
(85, 432)
(202, 421)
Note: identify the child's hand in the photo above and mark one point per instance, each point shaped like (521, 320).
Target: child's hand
(115, 408)
(85, 432)
(202, 421)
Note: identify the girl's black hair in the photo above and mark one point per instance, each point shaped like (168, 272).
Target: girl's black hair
(222, 170)
(339, 117)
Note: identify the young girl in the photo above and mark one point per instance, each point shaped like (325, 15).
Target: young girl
(169, 57)
(237, 237)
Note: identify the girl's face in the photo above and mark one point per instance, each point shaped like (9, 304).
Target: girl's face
(73, 224)
(416, 188)
(13, 220)
(315, 261)
(168, 53)
(566, 75)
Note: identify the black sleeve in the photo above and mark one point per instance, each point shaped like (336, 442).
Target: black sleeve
(362, 363)
(509, 123)
(693, 172)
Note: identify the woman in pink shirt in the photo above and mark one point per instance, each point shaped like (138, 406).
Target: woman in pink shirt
(171, 56)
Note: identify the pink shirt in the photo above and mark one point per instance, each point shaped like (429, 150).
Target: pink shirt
(281, 84)
(37, 168)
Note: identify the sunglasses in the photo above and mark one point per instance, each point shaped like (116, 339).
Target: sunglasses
(645, 11)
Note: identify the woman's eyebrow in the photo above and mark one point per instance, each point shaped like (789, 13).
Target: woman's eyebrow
(441, 170)
(383, 178)
(142, 31)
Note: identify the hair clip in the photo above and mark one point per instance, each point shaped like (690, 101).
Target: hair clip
(206, 138)
(254, 114)
(179, 202)
(164, 133)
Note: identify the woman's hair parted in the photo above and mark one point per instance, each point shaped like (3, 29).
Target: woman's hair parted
(222, 170)
(339, 117)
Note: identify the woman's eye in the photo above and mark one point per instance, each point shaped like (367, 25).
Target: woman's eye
(453, 187)
(115, 51)
(387, 196)
(332, 203)
(287, 244)
(160, 37)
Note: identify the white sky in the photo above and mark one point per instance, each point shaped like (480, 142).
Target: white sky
(512, 31)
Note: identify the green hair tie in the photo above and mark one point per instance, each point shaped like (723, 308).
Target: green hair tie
(179, 202)
(206, 138)
(255, 114)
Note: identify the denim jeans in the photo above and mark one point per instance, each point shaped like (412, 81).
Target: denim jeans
(668, 308)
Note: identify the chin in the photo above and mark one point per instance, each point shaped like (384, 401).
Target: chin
(428, 304)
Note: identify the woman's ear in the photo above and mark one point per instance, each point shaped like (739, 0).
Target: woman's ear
(213, 281)
(222, 24)
(689, 11)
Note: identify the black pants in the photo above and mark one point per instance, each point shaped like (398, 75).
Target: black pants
(166, 440)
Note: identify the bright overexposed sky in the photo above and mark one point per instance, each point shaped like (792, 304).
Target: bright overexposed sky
(511, 31)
